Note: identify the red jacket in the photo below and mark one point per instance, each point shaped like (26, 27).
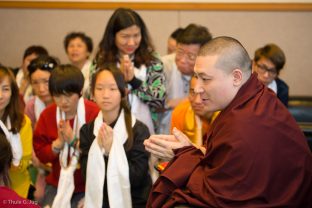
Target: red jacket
(46, 132)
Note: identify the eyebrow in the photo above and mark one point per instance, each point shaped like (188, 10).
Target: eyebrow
(126, 33)
(106, 84)
(6, 85)
(201, 74)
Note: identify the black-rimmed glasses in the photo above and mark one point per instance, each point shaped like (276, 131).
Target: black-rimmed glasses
(263, 69)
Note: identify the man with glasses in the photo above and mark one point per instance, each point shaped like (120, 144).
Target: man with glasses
(179, 68)
(268, 62)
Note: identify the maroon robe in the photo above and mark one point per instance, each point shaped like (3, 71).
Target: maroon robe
(256, 156)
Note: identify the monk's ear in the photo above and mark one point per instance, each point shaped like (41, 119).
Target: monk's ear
(237, 77)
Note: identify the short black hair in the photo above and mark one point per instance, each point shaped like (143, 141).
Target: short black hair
(194, 34)
(45, 63)
(66, 79)
(273, 53)
(175, 34)
(35, 49)
(86, 39)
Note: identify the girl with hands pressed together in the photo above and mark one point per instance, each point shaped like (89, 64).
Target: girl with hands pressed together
(105, 137)
(113, 159)
(56, 137)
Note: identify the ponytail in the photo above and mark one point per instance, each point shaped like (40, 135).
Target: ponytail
(128, 120)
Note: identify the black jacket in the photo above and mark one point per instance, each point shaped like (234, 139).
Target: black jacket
(282, 91)
(137, 156)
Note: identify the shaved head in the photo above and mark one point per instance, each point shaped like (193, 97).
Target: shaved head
(231, 54)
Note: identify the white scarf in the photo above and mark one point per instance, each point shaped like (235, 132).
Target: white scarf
(66, 186)
(138, 108)
(118, 183)
(14, 140)
(86, 74)
(142, 112)
(39, 106)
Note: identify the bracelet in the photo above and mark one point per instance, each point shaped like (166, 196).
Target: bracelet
(72, 143)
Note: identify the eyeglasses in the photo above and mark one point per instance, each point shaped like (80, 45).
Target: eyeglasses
(263, 69)
(190, 56)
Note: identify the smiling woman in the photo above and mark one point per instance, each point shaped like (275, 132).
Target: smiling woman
(126, 44)
(18, 132)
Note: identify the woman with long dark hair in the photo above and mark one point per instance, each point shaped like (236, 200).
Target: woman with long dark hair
(18, 126)
(126, 43)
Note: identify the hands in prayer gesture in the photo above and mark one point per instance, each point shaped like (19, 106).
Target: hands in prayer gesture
(65, 134)
(162, 145)
(127, 68)
(105, 137)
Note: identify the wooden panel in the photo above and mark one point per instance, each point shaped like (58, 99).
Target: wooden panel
(161, 6)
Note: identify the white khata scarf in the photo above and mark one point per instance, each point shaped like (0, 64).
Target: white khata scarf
(66, 186)
(86, 74)
(138, 108)
(118, 183)
(39, 107)
(14, 140)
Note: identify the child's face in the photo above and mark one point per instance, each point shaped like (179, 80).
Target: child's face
(5, 93)
(67, 103)
(106, 92)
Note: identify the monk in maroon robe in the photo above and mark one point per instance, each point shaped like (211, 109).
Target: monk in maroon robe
(255, 154)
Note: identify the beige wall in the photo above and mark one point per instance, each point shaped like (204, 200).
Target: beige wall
(292, 31)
